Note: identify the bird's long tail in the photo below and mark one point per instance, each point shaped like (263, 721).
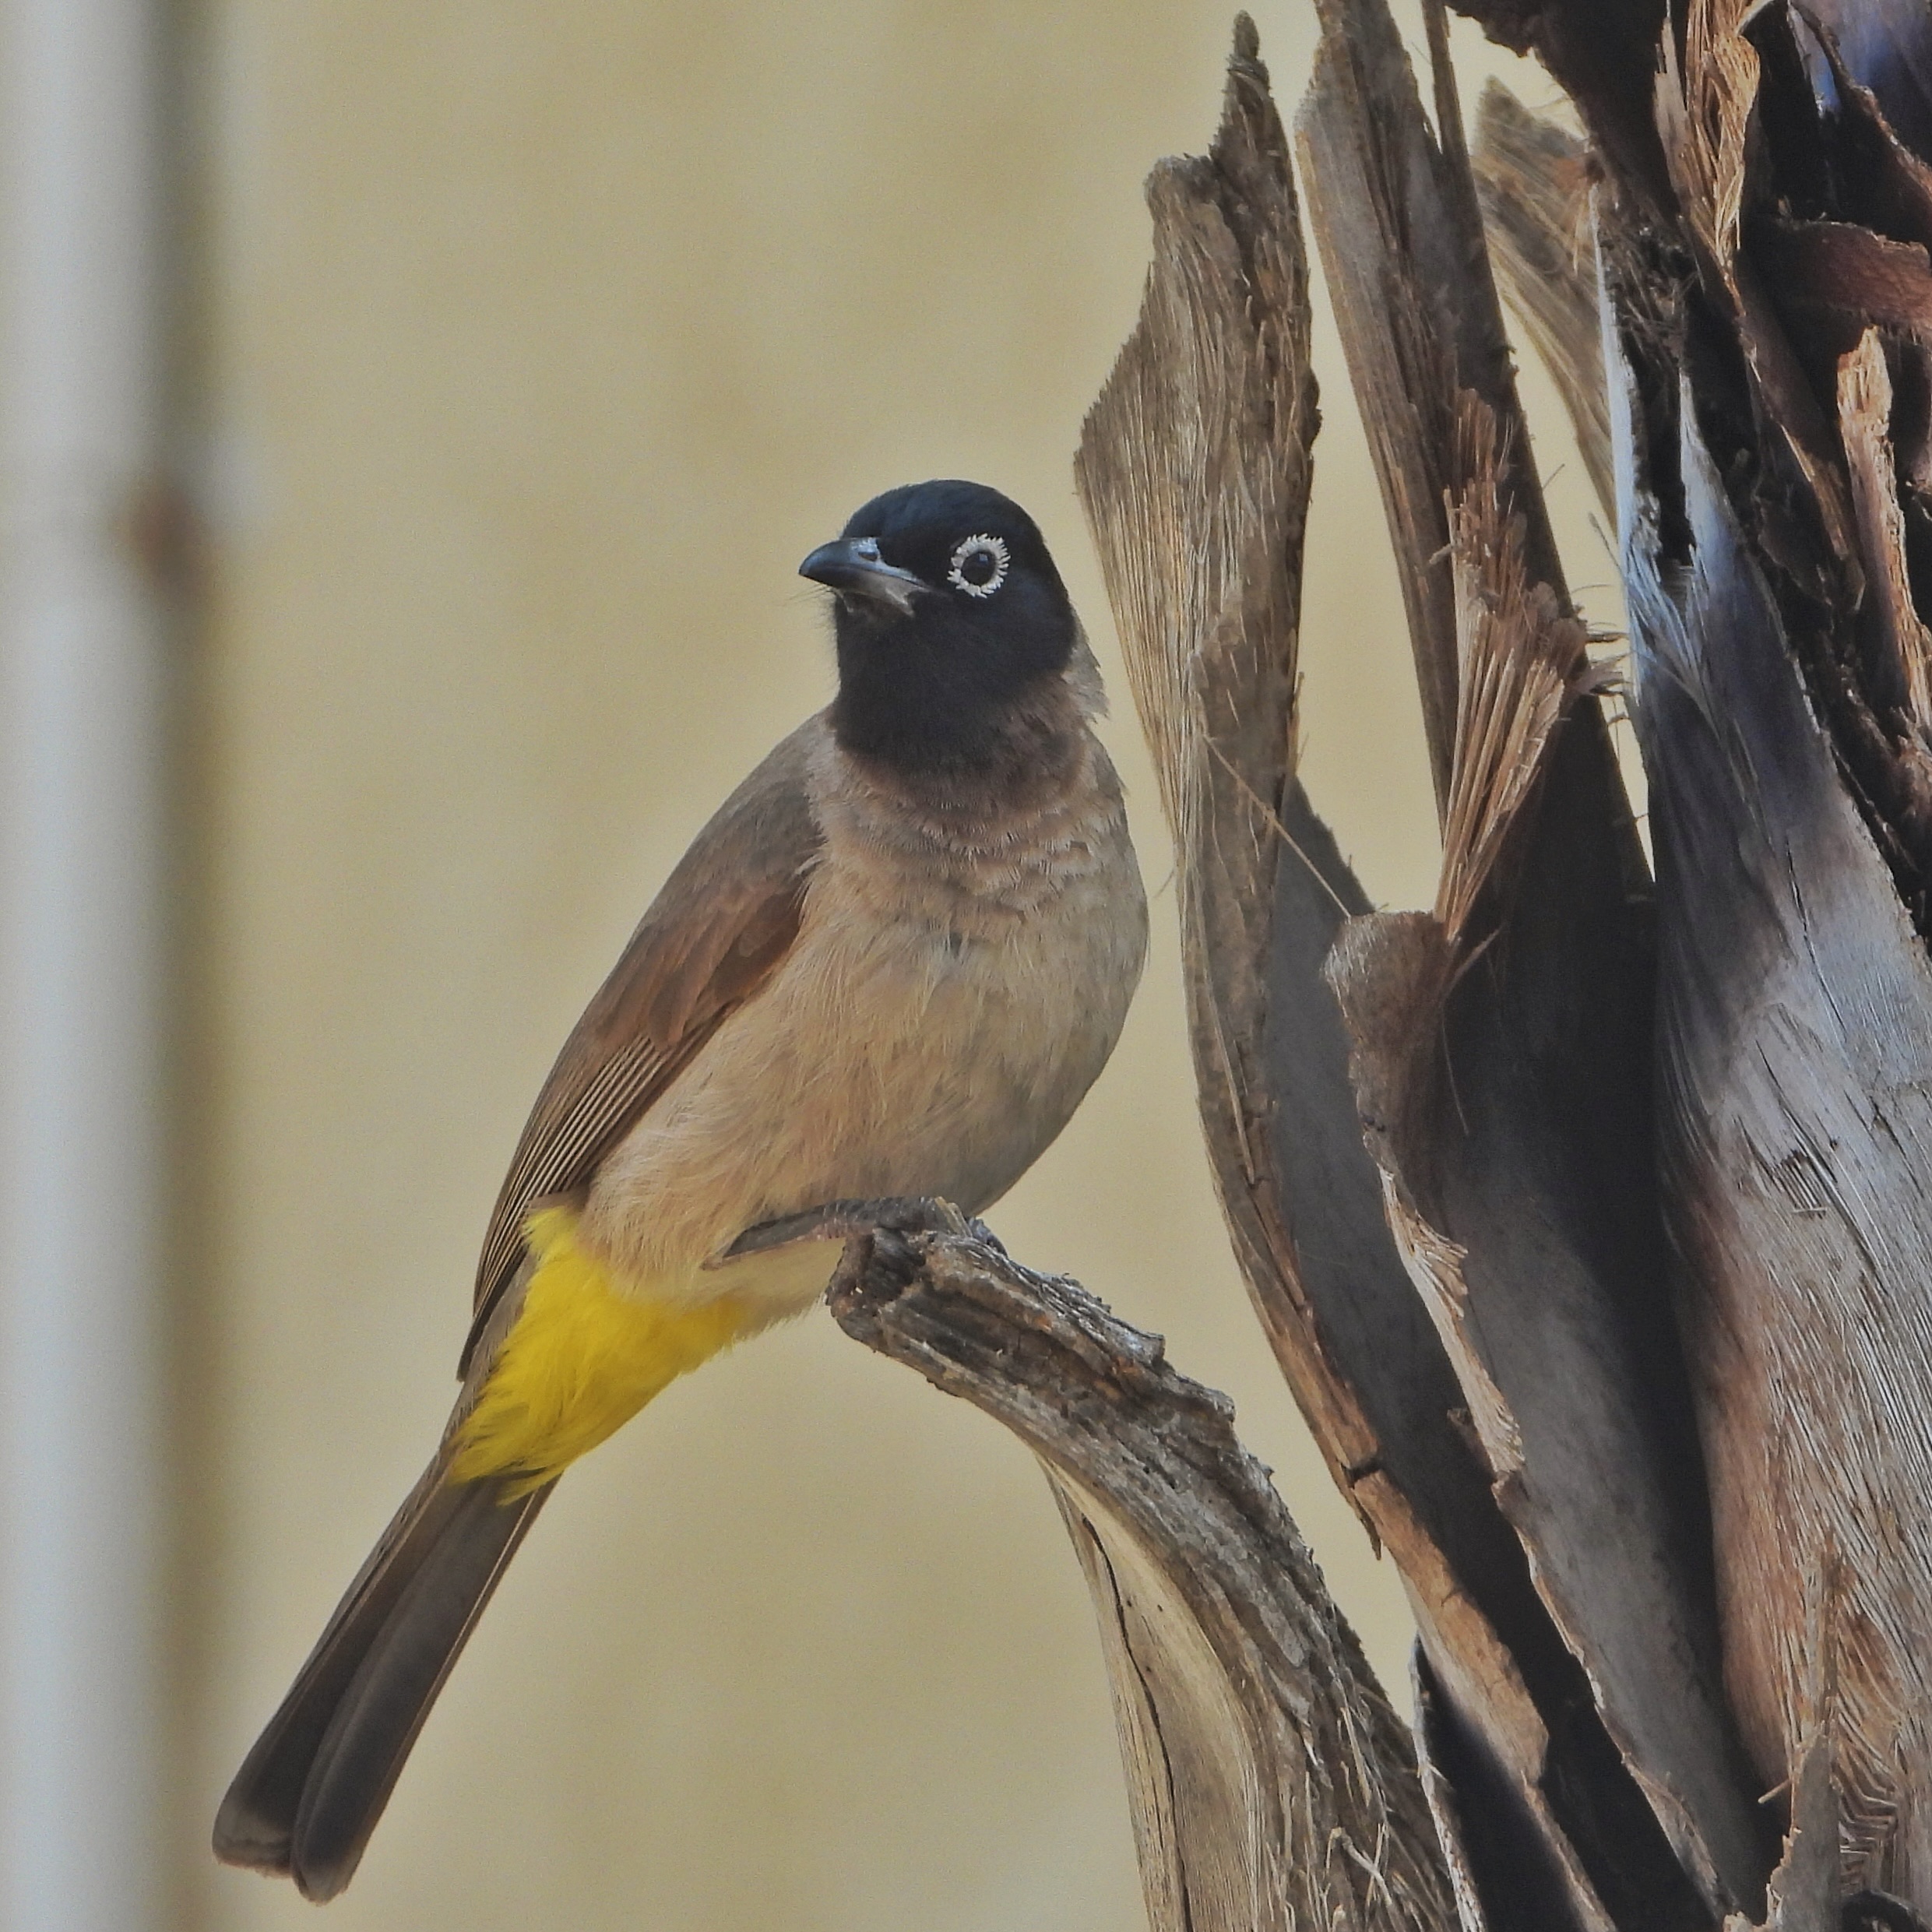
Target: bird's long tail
(310, 1792)
(580, 1355)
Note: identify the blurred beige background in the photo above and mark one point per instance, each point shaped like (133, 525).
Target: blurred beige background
(533, 345)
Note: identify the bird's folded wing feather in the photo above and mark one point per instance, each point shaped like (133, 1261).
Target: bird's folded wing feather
(725, 917)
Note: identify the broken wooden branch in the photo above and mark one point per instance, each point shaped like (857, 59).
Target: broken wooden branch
(1272, 1787)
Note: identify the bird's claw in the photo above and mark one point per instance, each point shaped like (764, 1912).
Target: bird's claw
(839, 1220)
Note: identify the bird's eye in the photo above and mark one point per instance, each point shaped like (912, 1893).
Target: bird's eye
(978, 566)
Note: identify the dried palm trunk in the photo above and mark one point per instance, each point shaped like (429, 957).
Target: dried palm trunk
(1587, 1218)
(1263, 894)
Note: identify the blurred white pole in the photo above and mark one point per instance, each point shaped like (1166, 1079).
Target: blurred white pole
(81, 1487)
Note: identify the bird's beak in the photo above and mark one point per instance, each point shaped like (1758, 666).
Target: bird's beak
(853, 567)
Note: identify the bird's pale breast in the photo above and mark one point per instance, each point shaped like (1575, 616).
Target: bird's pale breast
(947, 1002)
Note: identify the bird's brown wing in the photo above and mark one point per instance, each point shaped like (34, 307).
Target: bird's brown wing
(725, 917)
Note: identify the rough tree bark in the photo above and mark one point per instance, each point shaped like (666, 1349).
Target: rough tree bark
(1588, 1217)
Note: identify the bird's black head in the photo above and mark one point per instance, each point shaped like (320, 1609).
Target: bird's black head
(949, 615)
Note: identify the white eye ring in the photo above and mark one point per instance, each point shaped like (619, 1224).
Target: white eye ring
(995, 547)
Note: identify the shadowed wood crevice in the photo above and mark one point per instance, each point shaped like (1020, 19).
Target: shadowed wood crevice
(1506, 1877)
(1789, 175)
(1273, 1788)
(1886, 45)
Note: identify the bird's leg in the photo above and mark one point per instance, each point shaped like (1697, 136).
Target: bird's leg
(839, 1220)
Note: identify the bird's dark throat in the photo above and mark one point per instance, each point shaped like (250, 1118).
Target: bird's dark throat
(990, 756)
(937, 696)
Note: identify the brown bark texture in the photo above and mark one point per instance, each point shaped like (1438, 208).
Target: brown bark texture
(1586, 1212)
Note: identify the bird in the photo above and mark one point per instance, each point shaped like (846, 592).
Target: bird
(887, 971)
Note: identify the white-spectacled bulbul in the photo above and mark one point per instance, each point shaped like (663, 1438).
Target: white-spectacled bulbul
(888, 968)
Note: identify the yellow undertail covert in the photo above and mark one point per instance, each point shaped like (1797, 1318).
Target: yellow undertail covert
(585, 1355)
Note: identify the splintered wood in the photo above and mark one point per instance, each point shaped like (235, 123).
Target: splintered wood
(1533, 178)
(1520, 657)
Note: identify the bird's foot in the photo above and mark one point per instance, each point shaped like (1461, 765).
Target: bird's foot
(839, 1220)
